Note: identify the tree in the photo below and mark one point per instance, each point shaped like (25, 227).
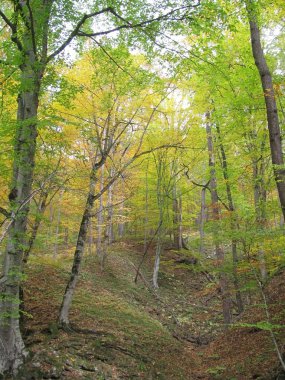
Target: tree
(38, 34)
(270, 102)
(116, 121)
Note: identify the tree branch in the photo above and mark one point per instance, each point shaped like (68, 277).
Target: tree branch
(75, 31)
(127, 25)
(13, 28)
(8, 22)
(4, 212)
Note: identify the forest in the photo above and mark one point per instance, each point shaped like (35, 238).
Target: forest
(142, 189)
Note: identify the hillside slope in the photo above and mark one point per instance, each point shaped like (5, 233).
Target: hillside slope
(123, 330)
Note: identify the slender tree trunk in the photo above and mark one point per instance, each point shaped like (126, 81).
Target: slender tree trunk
(121, 225)
(177, 218)
(104, 248)
(159, 242)
(110, 207)
(157, 261)
(90, 237)
(50, 229)
(259, 204)
(36, 225)
(100, 218)
(70, 288)
(234, 224)
(223, 280)
(202, 219)
(146, 208)
(160, 203)
(57, 228)
(270, 103)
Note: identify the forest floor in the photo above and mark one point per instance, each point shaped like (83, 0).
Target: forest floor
(123, 330)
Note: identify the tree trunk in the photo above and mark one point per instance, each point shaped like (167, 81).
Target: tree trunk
(146, 208)
(100, 218)
(90, 237)
(157, 262)
(202, 219)
(12, 350)
(38, 218)
(223, 280)
(121, 225)
(160, 203)
(110, 227)
(57, 228)
(234, 224)
(259, 204)
(271, 106)
(70, 288)
(177, 219)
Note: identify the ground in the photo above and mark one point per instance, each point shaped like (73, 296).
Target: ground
(125, 330)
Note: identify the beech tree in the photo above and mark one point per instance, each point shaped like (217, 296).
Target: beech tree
(270, 101)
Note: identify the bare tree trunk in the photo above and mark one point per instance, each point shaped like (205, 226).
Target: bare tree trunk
(160, 202)
(177, 218)
(90, 237)
(57, 228)
(70, 288)
(100, 218)
(50, 230)
(121, 225)
(259, 204)
(38, 218)
(110, 207)
(146, 229)
(223, 280)
(157, 261)
(202, 219)
(104, 249)
(234, 224)
(270, 103)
